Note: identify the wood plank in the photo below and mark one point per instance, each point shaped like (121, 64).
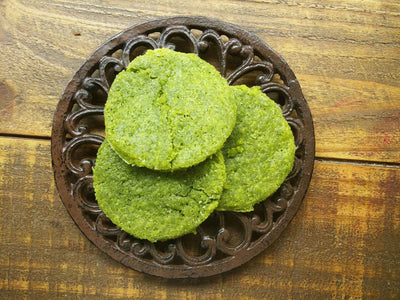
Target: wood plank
(343, 243)
(361, 122)
(344, 53)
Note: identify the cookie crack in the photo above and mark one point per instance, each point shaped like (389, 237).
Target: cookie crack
(202, 191)
(164, 107)
(169, 121)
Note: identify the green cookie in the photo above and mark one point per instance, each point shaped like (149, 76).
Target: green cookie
(259, 154)
(156, 205)
(168, 111)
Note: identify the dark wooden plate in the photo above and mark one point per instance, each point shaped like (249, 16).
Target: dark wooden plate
(225, 240)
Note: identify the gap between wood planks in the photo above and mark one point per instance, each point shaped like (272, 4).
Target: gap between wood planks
(25, 136)
(355, 162)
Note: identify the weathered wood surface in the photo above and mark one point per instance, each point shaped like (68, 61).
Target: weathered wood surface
(344, 241)
(346, 55)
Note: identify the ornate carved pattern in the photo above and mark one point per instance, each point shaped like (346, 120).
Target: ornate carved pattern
(225, 236)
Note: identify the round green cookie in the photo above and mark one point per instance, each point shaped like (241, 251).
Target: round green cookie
(156, 205)
(168, 111)
(259, 154)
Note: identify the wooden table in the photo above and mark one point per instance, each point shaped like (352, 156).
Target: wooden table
(344, 243)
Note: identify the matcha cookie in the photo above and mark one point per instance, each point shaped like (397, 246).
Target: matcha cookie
(156, 205)
(259, 154)
(168, 111)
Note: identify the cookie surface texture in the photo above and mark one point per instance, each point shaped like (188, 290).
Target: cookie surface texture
(168, 111)
(156, 205)
(259, 154)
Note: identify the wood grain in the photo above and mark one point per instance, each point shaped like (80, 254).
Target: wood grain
(345, 54)
(344, 243)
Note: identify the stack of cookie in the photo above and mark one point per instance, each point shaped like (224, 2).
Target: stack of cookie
(180, 143)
